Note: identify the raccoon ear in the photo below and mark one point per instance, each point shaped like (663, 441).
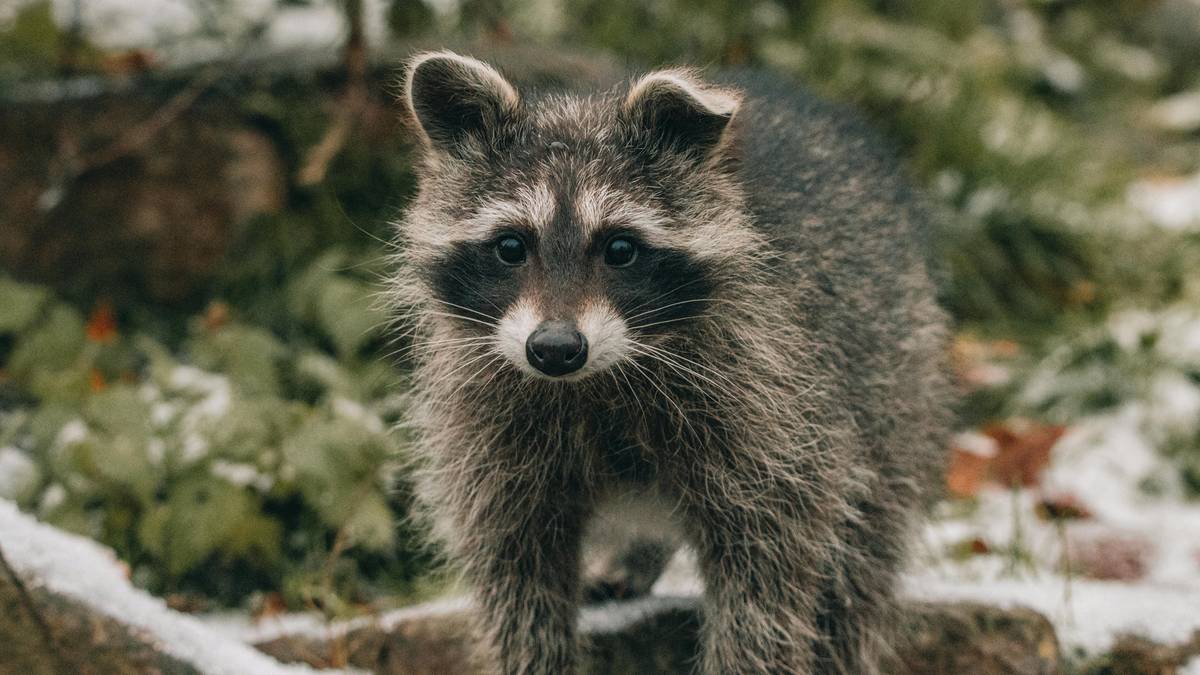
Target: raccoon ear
(451, 98)
(682, 111)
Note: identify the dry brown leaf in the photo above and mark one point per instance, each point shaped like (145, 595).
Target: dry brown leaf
(967, 473)
(102, 323)
(1023, 451)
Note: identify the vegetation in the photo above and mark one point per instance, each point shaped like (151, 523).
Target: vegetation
(241, 445)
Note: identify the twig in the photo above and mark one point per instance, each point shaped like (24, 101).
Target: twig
(34, 614)
(351, 106)
(70, 164)
(137, 137)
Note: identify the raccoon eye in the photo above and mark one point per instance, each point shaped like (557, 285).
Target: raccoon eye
(620, 252)
(510, 250)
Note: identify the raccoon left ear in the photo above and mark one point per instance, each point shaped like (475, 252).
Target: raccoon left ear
(452, 98)
(682, 111)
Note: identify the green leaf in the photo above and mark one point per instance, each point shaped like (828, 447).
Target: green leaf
(250, 356)
(53, 345)
(22, 304)
(348, 315)
(206, 516)
(337, 464)
(371, 523)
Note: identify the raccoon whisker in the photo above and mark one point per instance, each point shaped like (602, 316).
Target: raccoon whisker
(418, 342)
(674, 355)
(685, 422)
(462, 367)
(485, 366)
(679, 357)
(425, 347)
(687, 373)
(460, 316)
(670, 358)
(619, 369)
(663, 295)
(473, 311)
(674, 304)
(675, 320)
(467, 284)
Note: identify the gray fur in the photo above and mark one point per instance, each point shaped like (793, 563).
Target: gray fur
(793, 425)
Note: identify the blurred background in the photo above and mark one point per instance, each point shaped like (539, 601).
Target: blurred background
(195, 198)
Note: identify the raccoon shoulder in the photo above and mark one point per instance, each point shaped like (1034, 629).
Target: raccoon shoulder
(818, 176)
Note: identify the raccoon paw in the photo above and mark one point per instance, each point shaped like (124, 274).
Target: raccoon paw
(630, 574)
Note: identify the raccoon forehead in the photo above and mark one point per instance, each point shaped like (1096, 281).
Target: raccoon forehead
(590, 207)
(599, 206)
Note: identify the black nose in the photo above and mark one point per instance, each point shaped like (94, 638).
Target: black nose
(556, 348)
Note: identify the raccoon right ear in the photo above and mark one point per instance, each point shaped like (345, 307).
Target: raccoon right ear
(453, 98)
(682, 112)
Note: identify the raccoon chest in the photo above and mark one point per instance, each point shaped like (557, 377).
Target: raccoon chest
(632, 512)
(628, 463)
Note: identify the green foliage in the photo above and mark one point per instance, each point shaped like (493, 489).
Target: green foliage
(247, 449)
(236, 463)
(31, 42)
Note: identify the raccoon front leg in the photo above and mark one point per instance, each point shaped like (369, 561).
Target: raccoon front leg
(762, 575)
(522, 557)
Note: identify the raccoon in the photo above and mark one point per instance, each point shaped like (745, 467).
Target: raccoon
(700, 309)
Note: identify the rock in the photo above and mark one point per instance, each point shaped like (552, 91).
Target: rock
(1133, 655)
(658, 636)
(953, 638)
(67, 637)
(67, 608)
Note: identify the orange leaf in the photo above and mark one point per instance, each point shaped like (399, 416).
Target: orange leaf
(966, 473)
(272, 605)
(102, 324)
(1023, 451)
(96, 380)
(1062, 507)
(216, 316)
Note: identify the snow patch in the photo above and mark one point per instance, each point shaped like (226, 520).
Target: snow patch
(83, 570)
(18, 473)
(184, 31)
(1088, 615)
(1173, 204)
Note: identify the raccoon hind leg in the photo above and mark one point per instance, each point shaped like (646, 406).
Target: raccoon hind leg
(631, 539)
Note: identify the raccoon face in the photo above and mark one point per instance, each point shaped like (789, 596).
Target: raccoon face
(568, 235)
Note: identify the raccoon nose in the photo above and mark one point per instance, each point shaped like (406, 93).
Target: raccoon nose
(556, 348)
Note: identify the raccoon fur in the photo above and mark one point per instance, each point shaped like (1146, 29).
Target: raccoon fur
(698, 310)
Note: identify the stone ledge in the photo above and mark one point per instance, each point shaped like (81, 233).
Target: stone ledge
(657, 636)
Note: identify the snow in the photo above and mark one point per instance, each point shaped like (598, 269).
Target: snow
(615, 617)
(357, 412)
(81, 569)
(1191, 667)
(242, 475)
(183, 31)
(214, 399)
(1087, 615)
(241, 627)
(1170, 203)
(1102, 464)
(1180, 112)
(75, 431)
(1099, 464)
(18, 473)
